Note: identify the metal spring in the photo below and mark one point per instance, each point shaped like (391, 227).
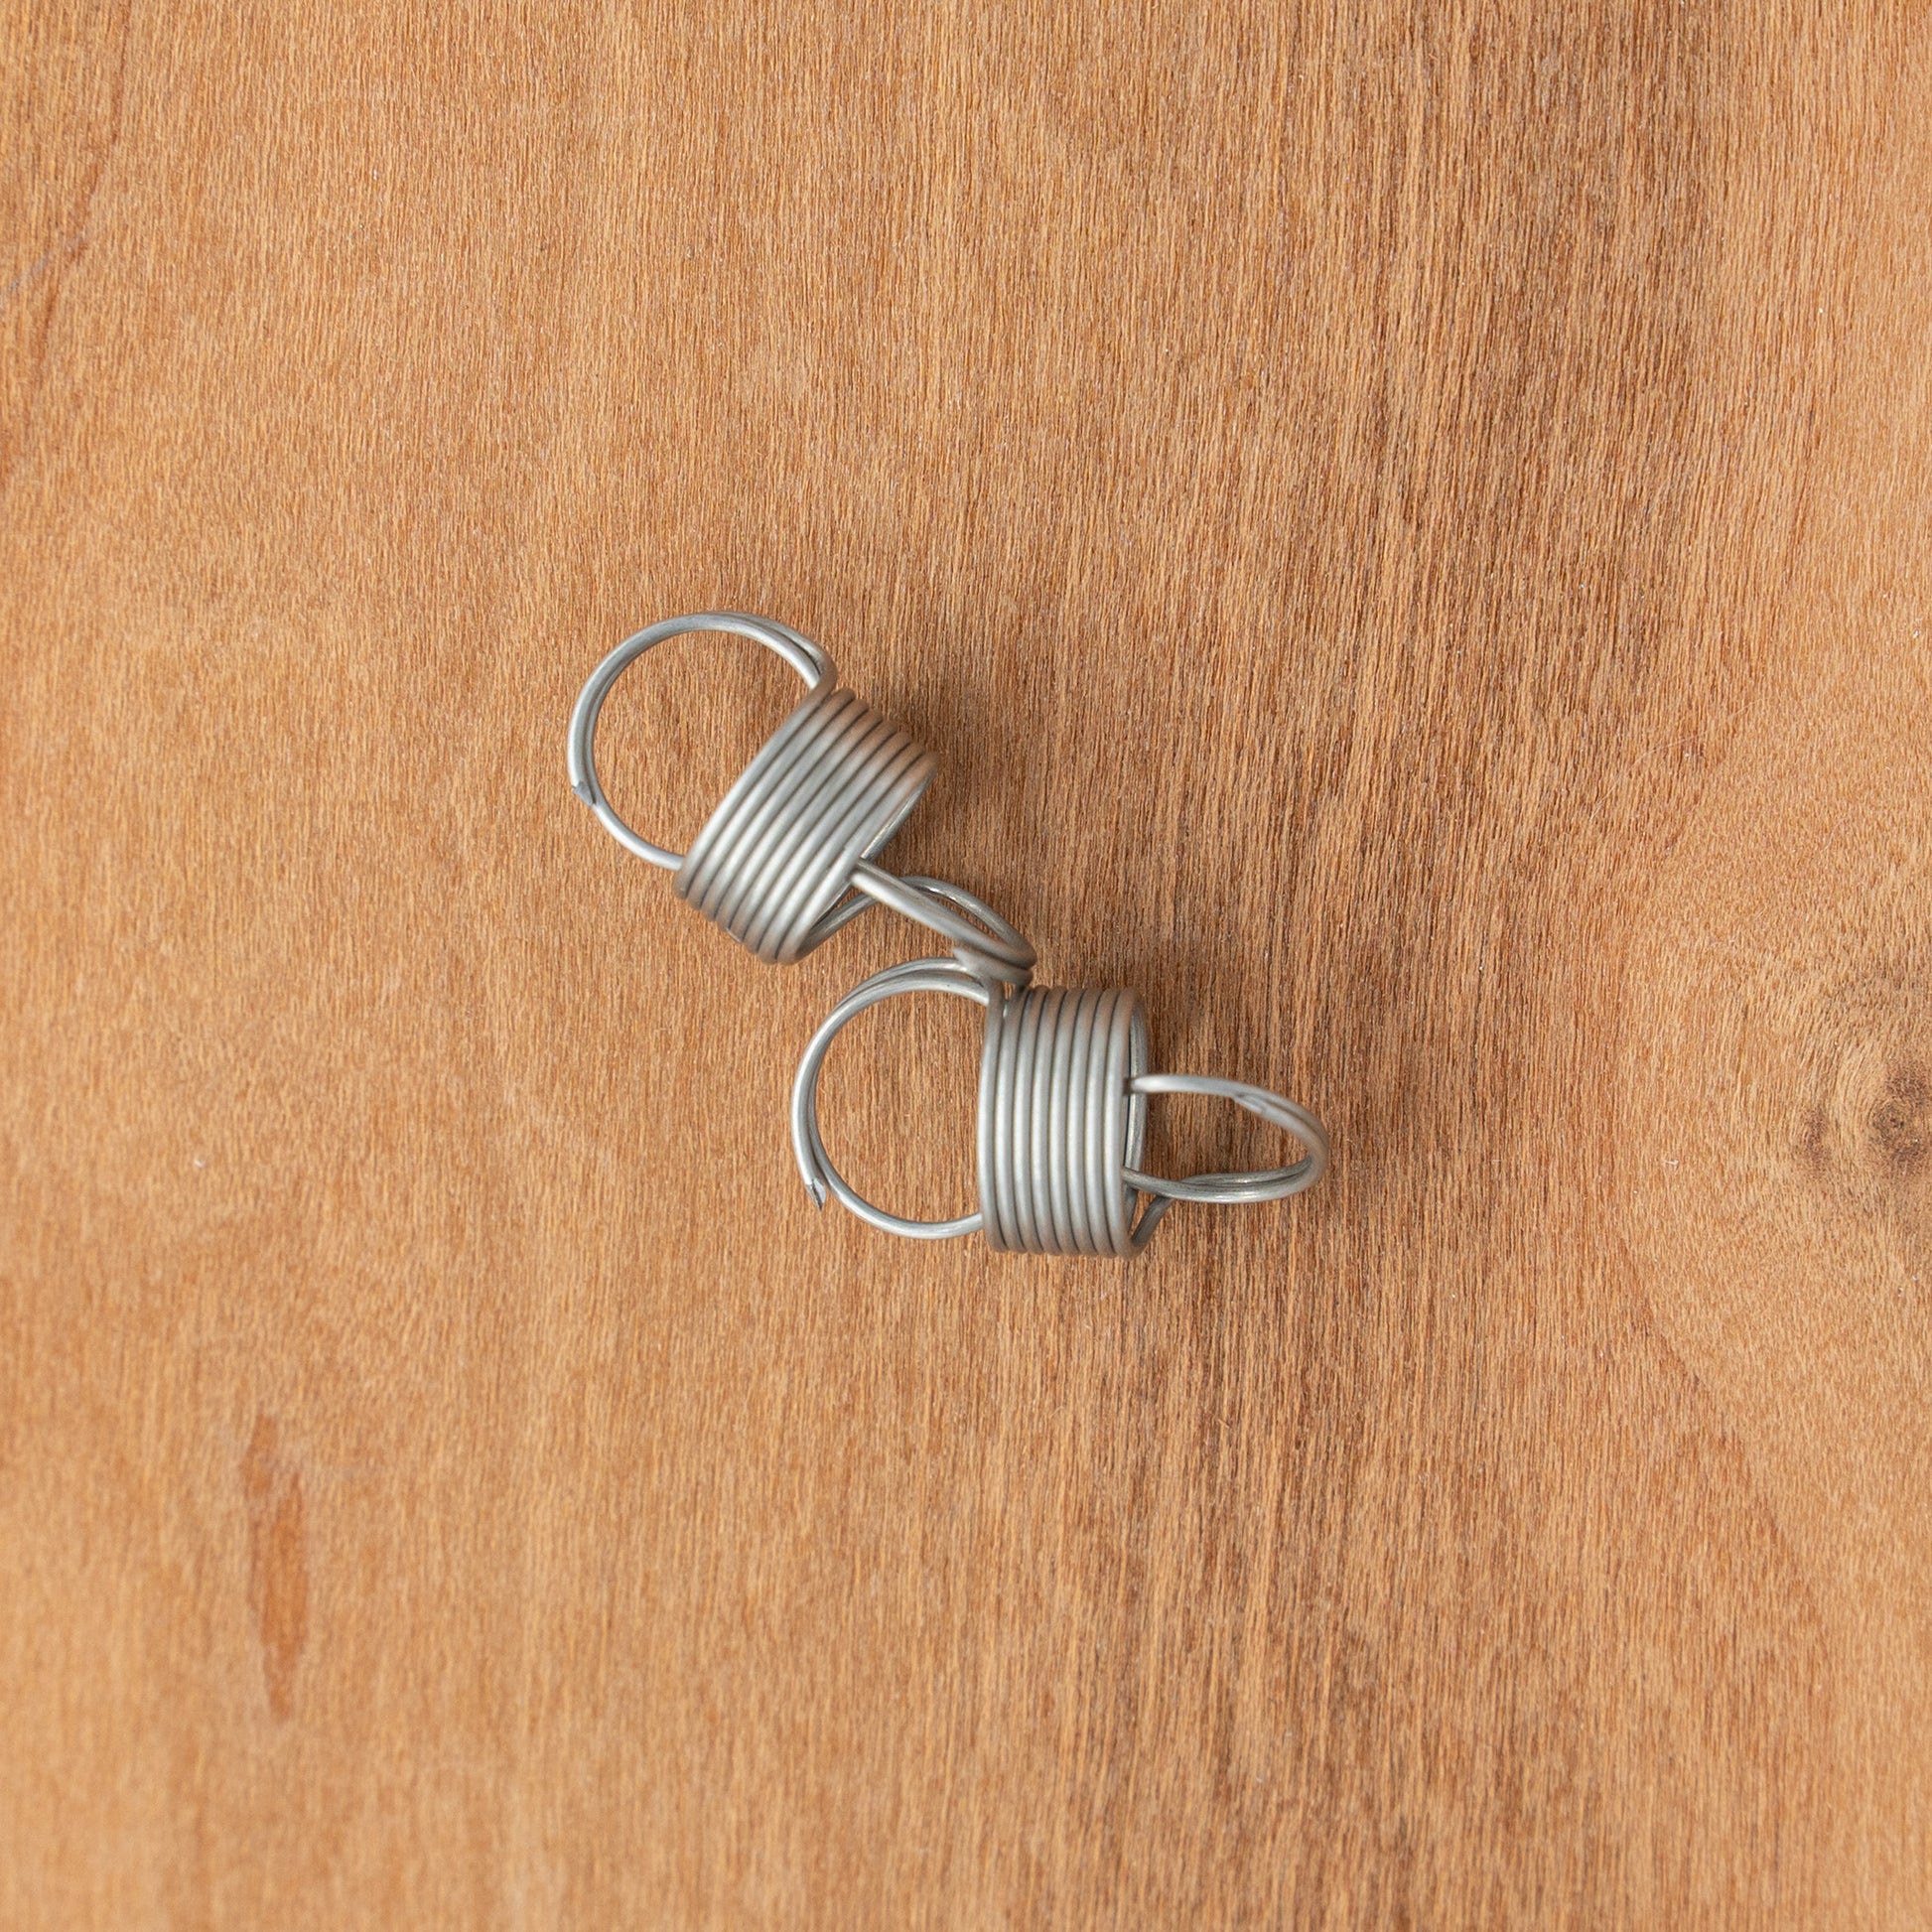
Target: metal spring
(833, 785)
(1062, 1116)
(1058, 1124)
(777, 863)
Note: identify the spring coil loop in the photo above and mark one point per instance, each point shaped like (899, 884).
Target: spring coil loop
(786, 860)
(1062, 1119)
(830, 788)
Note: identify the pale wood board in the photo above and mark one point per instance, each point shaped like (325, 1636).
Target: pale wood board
(1408, 532)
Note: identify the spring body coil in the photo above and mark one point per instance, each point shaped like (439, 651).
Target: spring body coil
(829, 788)
(1058, 1127)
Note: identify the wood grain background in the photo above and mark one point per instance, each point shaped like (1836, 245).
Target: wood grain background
(1407, 527)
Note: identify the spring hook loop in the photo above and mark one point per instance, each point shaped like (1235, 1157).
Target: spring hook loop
(1064, 1089)
(785, 859)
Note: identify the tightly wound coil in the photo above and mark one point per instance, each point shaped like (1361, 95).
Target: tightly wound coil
(1058, 1126)
(830, 788)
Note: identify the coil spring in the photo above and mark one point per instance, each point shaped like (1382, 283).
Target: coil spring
(830, 788)
(1062, 1117)
(787, 858)
(1058, 1127)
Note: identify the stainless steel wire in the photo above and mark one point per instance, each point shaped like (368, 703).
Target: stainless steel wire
(785, 859)
(821, 1177)
(1062, 1117)
(1058, 1123)
(831, 786)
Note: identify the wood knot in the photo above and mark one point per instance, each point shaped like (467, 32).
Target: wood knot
(1866, 1136)
(1901, 1124)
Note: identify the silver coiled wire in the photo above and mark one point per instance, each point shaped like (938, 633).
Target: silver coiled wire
(831, 786)
(777, 863)
(1062, 1116)
(1058, 1123)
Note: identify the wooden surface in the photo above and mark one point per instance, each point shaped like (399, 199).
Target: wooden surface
(1408, 532)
